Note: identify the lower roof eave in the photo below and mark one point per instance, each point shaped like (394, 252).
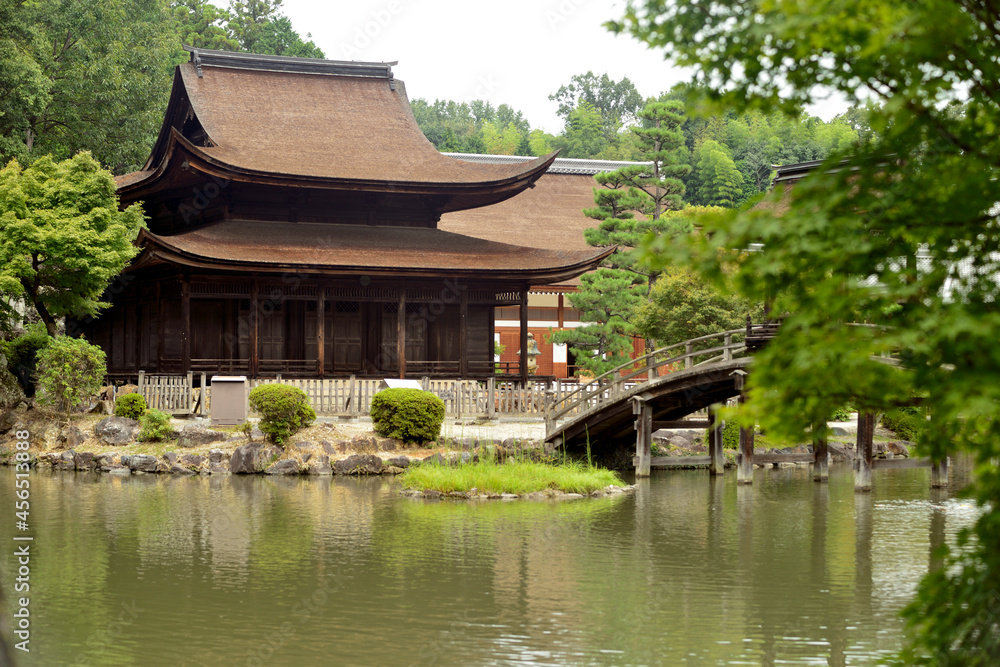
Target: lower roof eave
(529, 277)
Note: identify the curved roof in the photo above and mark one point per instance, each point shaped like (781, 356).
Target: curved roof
(322, 247)
(310, 122)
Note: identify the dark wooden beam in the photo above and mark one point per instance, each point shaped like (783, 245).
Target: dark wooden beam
(900, 464)
(254, 326)
(463, 335)
(560, 315)
(666, 462)
(401, 333)
(186, 323)
(643, 436)
(821, 457)
(160, 320)
(682, 423)
(863, 467)
(320, 329)
(717, 458)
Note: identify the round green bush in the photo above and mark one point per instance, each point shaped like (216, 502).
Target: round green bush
(155, 426)
(906, 422)
(410, 415)
(132, 406)
(283, 409)
(70, 370)
(730, 435)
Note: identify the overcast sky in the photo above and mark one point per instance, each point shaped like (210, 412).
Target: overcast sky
(516, 52)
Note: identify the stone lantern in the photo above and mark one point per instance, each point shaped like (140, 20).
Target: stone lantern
(533, 354)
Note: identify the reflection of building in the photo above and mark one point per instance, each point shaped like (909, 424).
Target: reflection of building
(293, 228)
(549, 215)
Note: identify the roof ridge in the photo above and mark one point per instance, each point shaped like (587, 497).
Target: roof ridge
(288, 64)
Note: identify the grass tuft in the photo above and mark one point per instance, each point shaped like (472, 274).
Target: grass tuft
(518, 477)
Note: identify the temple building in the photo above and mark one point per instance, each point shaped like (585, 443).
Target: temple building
(293, 209)
(549, 215)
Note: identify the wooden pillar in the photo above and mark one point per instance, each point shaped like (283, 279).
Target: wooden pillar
(939, 474)
(254, 326)
(821, 456)
(401, 333)
(523, 357)
(560, 314)
(186, 323)
(463, 335)
(643, 436)
(744, 471)
(320, 329)
(938, 533)
(718, 463)
(160, 328)
(863, 464)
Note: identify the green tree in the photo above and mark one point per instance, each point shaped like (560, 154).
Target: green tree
(720, 183)
(683, 305)
(617, 102)
(247, 21)
(84, 75)
(277, 38)
(203, 25)
(62, 237)
(583, 136)
(607, 301)
(925, 187)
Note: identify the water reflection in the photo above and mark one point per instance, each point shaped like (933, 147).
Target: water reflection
(280, 571)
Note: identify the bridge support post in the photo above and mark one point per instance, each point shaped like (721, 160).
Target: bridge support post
(863, 464)
(718, 464)
(643, 436)
(821, 456)
(744, 473)
(939, 474)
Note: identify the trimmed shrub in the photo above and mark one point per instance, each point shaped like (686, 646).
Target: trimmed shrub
(906, 423)
(842, 414)
(730, 435)
(69, 371)
(155, 425)
(410, 415)
(283, 410)
(132, 406)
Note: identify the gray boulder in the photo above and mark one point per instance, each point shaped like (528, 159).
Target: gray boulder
(359, 464)
(195, 436)
(839, 452)
(284, 467)
(71, 437)
(215, 456)
(84, 461)
(142, 463)
(399, 462)
(320, 466)
(192, 461)
(7, 421)
(899, 448)
(10, 390)
(116, 430)
(364, 444)
(244, 459)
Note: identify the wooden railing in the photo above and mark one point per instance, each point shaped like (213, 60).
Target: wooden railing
(610, 385)
(494, 397)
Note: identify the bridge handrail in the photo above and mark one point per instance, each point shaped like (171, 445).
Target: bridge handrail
(598, 386)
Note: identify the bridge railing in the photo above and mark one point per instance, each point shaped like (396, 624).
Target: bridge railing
(608, 386)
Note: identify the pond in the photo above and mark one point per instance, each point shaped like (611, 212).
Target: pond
(167, 570)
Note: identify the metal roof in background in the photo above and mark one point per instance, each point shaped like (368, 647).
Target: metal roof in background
(562, 165)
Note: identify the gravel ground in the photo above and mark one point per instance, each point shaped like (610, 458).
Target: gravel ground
(500, 429)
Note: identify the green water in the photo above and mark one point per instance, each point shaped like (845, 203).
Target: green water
(163, 570)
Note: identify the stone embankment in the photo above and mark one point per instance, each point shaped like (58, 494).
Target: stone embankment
(109, 445)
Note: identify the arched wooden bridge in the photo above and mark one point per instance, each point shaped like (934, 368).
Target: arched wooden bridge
(650, 392)
(627, 404)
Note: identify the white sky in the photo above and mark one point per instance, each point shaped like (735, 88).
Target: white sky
(516, 52)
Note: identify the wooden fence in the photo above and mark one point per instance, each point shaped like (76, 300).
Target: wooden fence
(178, 394)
